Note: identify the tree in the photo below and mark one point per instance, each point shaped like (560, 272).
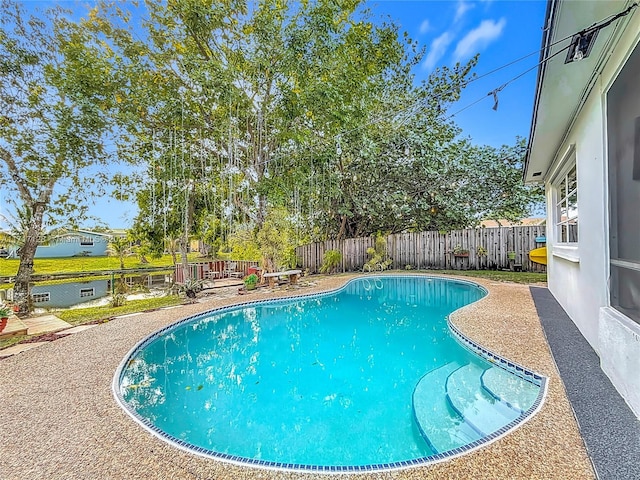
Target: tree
(276, 241)
(120, 247)
(53, 122)
(244, 94)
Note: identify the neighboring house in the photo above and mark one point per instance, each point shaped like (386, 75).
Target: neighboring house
(507, 223)
(76, 243)
(64, 295)
(585, 147)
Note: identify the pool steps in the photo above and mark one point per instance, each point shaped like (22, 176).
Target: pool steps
(440, 426)
(516, 392)
(455, 405)
(482, 411)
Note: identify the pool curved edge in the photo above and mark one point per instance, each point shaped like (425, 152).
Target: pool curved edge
(474, 347)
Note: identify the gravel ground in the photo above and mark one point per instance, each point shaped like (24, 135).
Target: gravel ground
(58, 418)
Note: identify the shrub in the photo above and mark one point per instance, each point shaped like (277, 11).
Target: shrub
(118, 300)
(250, 281)
(331, 261)
(191, 287)
(378, 252)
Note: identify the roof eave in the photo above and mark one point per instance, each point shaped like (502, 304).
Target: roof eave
(544, 51)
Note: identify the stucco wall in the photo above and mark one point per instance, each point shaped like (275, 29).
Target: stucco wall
(578, 276)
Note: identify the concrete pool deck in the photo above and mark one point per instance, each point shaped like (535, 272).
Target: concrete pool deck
(58, 417)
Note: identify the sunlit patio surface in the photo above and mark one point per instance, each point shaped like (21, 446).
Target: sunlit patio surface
(60, 420)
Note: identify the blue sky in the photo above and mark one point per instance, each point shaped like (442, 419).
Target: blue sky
(501, 31)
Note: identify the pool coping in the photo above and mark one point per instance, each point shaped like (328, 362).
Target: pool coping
(474, 347)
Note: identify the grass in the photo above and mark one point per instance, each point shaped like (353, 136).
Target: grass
(497, 275)
(79, 316)
(41, 266)
(8, 341)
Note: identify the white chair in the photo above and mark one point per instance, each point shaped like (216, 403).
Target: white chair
(230, 270)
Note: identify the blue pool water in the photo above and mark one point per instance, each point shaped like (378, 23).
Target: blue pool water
(367, 375)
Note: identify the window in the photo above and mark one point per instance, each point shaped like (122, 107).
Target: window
(86, 241)
(41, 297)
(567, 207)
(623, 135)
(87, 292)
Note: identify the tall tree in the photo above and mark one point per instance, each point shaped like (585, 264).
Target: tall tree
(53, 123)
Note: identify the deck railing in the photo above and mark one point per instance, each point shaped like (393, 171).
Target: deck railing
(214, 269)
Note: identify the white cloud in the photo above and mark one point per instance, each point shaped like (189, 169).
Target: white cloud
(479, 38)
(425, 26)
(437, 50)
(462, 8)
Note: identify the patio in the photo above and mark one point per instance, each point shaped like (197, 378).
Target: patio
(59, 418)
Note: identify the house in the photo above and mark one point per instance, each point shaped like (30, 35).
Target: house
(64, 295)
(584, 147)
(76, 243)
(507, 223)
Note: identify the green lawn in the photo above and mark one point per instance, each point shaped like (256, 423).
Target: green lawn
(497, 275)
(78, 316)
(9, 267)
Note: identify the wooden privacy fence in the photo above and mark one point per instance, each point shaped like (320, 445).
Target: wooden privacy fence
(505, 247)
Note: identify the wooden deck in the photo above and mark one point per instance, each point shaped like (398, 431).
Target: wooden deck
(15, 326)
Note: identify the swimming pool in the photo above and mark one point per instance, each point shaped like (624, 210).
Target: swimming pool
(370, 376)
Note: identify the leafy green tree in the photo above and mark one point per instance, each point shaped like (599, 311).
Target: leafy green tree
(53, 124)
(276, 240)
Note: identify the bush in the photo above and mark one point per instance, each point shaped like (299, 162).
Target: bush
(331, 261)
(250, 281)
(378, 260)
(118, 300)
(191, 287)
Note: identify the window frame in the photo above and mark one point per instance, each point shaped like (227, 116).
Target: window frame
(47, 295)
(87, 242)
(565, 249)
(87, 292)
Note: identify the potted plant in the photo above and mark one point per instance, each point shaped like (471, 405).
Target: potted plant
(4, 316)
(458, 251)
(250, 281)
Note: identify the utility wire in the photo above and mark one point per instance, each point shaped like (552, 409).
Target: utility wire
(594, 27)
(495, 91)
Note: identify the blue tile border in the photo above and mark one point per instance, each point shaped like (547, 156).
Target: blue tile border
(474, 347)
(494, 358)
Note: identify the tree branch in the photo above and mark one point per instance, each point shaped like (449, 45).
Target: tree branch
(17, 179)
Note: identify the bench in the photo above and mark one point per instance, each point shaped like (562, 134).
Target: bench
(292, 274)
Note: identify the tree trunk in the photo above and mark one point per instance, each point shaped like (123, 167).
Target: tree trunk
(186, 275)
(343, 228)
(22, 287)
